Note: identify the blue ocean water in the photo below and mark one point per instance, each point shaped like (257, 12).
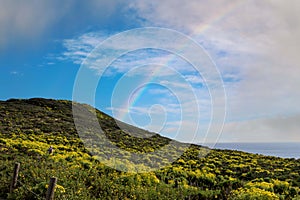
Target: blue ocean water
(284, 150)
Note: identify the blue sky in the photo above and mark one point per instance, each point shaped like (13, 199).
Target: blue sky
(43, 44)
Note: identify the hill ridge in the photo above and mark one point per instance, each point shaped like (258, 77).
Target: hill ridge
(28, 127)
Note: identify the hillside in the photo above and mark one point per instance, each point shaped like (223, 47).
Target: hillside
(29, 127)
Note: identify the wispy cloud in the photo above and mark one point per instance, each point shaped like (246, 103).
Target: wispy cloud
(257, 55)
(16, 73)
(77, 49)
(181, 80)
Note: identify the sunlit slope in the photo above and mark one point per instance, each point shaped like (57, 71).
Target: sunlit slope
(29, 127)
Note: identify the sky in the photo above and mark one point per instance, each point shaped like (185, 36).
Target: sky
(253, 46)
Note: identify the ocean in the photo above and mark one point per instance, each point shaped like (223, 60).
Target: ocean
(284, 150)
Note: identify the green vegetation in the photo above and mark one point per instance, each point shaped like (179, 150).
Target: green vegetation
(29, 127)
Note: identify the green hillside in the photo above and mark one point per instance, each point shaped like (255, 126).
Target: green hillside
(29, 127)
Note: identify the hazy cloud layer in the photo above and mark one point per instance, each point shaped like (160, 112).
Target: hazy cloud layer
(255, 44)
(276, 129)
(33, 20)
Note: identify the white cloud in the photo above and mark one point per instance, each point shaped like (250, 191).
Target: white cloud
(195, 79)
(16, 73)
(255, 45)
(32, 20)
(260, 41)
(276, 129)
(28, 18)
(166, 70)
(77, 49)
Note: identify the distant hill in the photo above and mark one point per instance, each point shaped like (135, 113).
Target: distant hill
(86, 169)
(55, 118)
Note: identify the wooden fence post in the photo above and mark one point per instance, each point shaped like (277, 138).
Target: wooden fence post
(14, 180)
(51, 188)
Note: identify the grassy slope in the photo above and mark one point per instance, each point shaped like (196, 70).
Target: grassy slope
(29, 127)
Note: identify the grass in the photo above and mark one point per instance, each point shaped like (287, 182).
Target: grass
(29, 127)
